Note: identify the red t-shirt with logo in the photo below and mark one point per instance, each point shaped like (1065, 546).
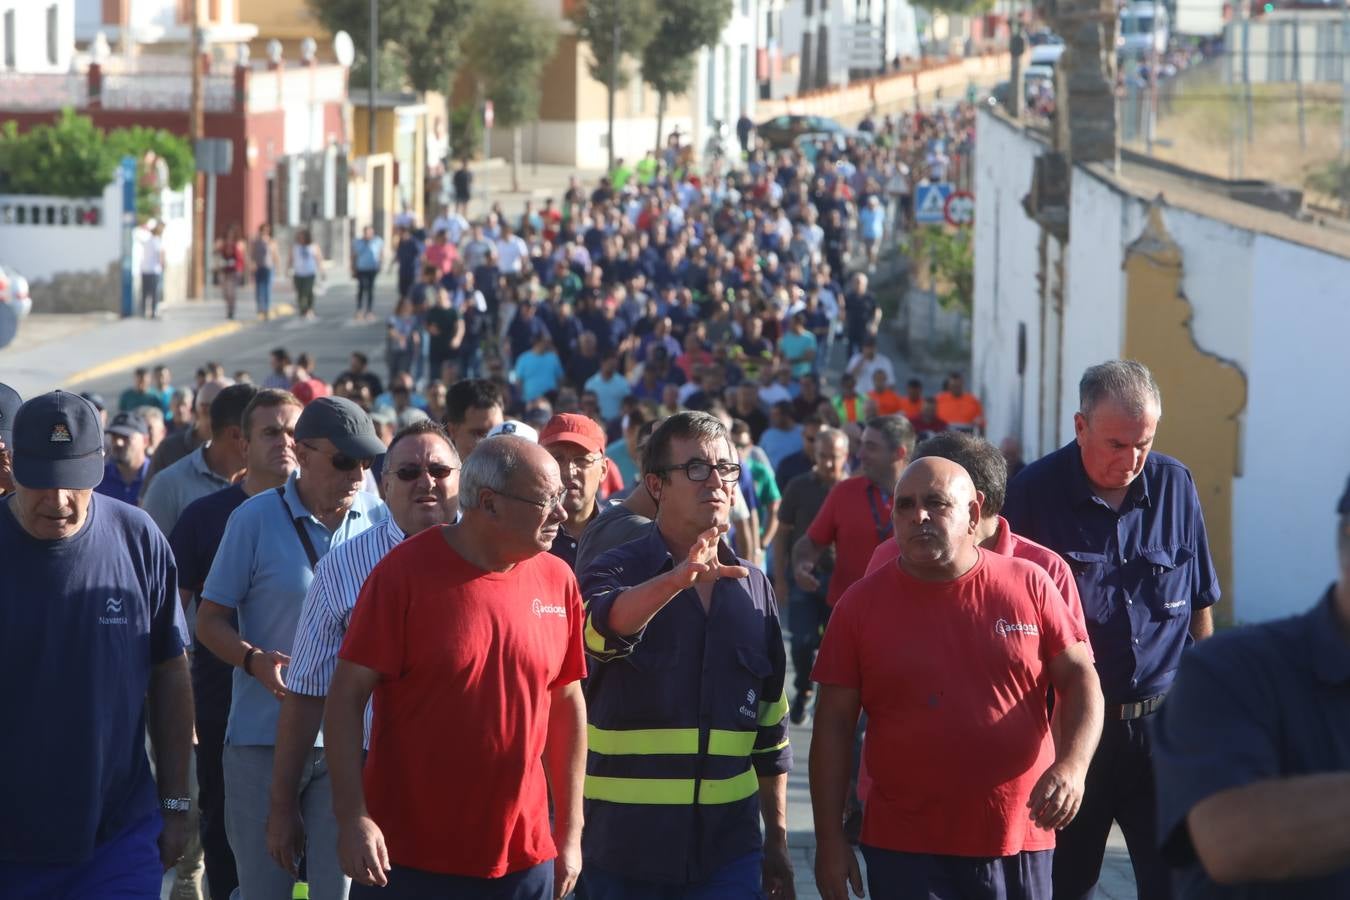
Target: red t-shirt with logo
(855, 517)
(466, 659)
(953, 679)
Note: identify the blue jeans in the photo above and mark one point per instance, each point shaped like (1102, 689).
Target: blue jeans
(929, 876)
(248, 780)
(740, 879)
(807, 615)
(534, 883)
(124, 868)
(262, 287)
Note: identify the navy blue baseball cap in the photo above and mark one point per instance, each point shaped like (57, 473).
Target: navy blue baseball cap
(342, 422)
(10, 401)
(58, 443)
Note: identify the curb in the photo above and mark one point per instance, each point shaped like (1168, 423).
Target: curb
(186, 342)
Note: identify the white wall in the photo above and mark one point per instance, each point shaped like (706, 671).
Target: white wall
(1296, 447)
(31, 40)
(40, 251)
(1005, 281)
(1276, 309)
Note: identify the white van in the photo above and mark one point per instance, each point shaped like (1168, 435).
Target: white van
(1144, 29)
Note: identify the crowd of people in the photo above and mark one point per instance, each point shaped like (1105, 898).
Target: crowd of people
(534, 613)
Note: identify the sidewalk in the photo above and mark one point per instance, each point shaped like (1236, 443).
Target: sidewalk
(67, 350)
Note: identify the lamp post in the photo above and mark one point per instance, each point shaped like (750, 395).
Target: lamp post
(374, 62)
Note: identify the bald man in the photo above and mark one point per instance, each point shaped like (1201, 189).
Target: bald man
(950, 651)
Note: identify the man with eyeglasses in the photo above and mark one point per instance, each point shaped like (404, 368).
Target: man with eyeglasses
(688, 738)
(469, 637)
(420, 483)
(577, 445)
(263, 570)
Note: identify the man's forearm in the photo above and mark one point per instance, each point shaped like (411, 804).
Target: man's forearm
(297, 726)
(806, 551)
(634, 608)
(219, 636)
(344, 726)
(565, 756)
(1079, 710)
(773, 806)
(1274, 830)
(1202, 623)
(831, 759)
(169, 719)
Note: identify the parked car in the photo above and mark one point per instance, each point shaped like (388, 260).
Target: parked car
(781, 132)
(14, 291)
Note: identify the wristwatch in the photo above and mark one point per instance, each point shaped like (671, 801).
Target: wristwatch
(175, 804)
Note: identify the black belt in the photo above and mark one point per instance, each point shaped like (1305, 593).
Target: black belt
(1134, 710)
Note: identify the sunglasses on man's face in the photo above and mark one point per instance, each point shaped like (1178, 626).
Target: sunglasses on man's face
(412, 473)
(342, 462)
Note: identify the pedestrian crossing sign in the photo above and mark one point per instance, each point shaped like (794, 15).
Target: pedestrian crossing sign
(930, 201)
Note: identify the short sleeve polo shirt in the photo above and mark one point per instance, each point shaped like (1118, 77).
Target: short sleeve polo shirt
(1256, 703)
(1141, 570)
(855, 518)
(83, 622)
(261, 571)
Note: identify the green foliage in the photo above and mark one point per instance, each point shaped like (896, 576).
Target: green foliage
(596, 21)
(391, 77)
(507, 45)
(952, 257)
(956, 7)
(466, 131)
(1332, 179)
(72, 158)
(684, 27)
(424, 34)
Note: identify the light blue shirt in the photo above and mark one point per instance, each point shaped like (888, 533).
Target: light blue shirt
(872, 222)
(793, 345)
(610, 392)
(537, 373)
(261, 571)
(778, 444)
(368, 253)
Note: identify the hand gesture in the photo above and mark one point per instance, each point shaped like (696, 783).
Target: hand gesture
(1057, 796)
(702, 564)
(266, 667)
(361, 851)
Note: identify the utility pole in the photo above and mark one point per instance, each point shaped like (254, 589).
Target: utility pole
(374, 67)
(1151, 126)
(614, 86)
(201, 254)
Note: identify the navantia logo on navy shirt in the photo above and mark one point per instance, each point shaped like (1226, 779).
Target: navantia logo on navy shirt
(113, 612)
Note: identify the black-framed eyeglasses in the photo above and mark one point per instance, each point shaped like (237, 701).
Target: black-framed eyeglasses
(548, 505)
(341, 461)
(700, 470)
(435, 470)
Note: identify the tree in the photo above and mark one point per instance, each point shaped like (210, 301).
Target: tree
(507, 44)
(424, 35)
(684, 27)
(612, 28)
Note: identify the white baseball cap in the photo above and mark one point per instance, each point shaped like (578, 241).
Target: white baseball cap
(516, 427)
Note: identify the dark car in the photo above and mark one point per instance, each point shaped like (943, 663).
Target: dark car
(781, 132)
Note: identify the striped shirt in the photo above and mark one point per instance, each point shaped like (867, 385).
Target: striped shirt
(328, 608)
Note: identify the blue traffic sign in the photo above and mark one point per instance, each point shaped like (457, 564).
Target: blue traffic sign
(930, 202)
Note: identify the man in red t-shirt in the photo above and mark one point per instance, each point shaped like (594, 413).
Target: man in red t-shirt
(470, 638)
(856, 516)
(950, 653)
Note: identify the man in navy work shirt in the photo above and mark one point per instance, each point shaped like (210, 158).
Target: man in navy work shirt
(688, 738)
(268, 423)
(262, 571)
(124, 474)
(1253, 756)
(1129, 524)
(91, 644)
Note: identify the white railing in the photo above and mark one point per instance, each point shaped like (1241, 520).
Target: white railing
(165, 92)
(43, 90)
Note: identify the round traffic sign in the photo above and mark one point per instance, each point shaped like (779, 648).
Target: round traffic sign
(959, 209)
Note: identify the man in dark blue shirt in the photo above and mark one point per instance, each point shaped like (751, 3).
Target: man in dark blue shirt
(91, 645)
(1129, 524)
(1253, 756)
(124, 474)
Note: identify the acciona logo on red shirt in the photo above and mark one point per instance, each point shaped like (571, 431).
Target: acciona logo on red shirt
(1003, 628)
(542, 609)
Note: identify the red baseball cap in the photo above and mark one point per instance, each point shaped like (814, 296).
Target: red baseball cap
(576, 429)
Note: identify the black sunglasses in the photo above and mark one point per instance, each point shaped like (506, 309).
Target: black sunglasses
(435, 470)
(342, 462)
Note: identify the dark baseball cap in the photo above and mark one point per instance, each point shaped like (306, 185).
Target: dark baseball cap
(127, 424)
(344, 423)
(1343, 508)
(10, 401)
(96, 399)
(58, 443)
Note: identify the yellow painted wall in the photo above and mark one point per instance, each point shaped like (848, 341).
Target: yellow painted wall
(1203, 394)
